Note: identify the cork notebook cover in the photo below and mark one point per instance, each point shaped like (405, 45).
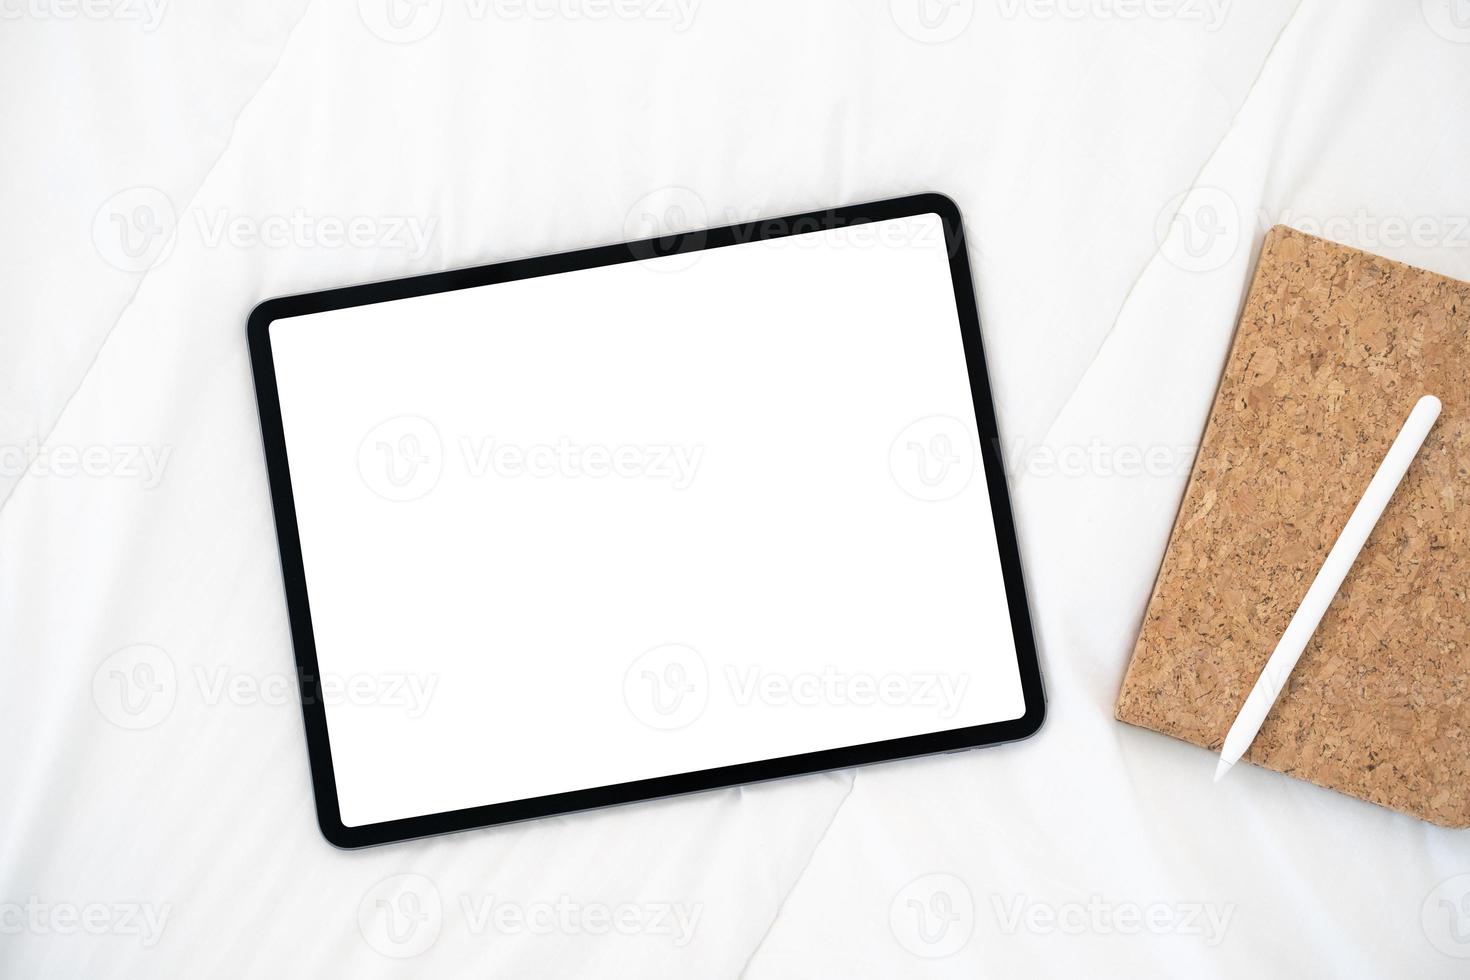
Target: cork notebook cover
(1333, 349)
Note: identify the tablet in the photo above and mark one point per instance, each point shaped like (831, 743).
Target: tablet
(642, 519)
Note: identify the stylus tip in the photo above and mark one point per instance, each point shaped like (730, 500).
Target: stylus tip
(1222, 769)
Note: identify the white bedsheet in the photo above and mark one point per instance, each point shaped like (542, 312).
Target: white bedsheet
(1067, 133)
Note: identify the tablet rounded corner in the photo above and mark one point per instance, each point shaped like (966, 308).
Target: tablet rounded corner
(1030, 723)
(942, 205)
(338, 834)
(257, 324)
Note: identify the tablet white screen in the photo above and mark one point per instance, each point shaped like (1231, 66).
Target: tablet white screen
(645, 519)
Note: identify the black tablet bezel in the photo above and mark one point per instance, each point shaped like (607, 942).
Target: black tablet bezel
(299, 609)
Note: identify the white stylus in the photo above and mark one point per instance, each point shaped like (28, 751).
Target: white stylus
(1329, 578)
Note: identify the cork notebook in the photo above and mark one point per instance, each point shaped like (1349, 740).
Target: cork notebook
(1333, 349)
